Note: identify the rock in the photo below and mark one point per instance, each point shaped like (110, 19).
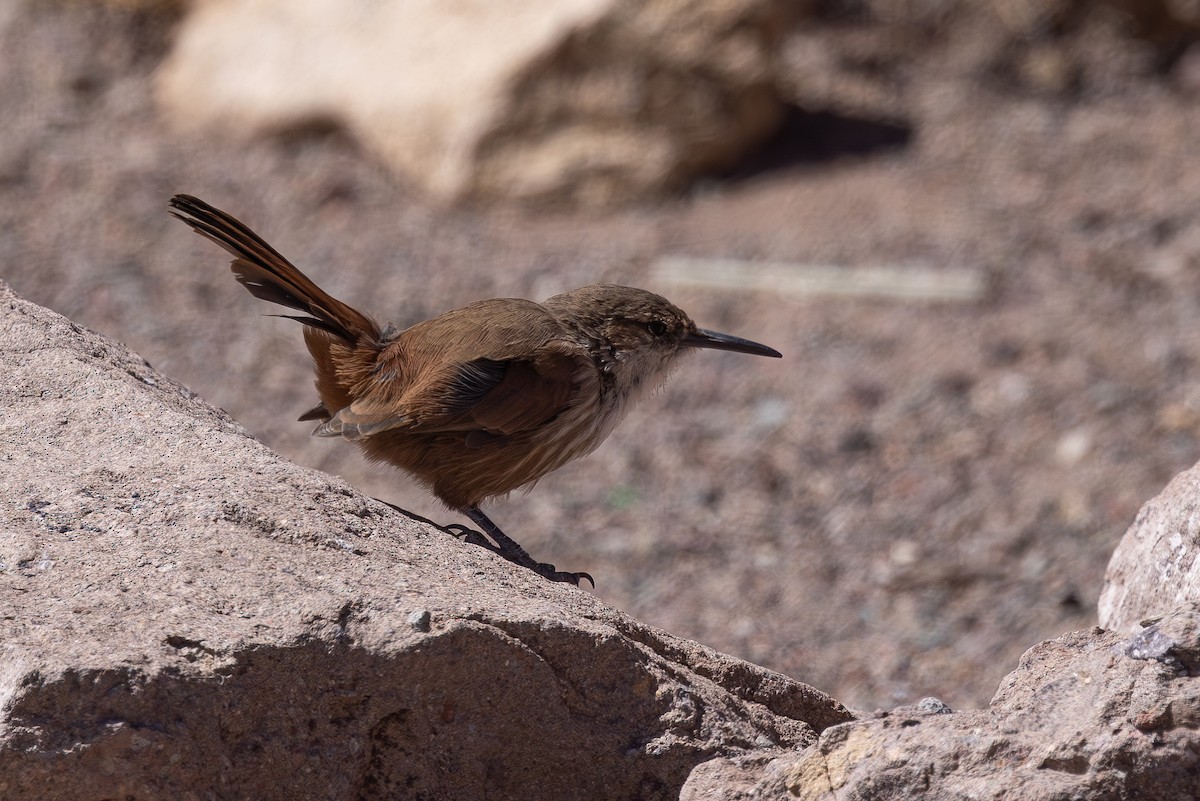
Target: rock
(595, 101)
(1156, 566)
(1090, 715)
(187, 615)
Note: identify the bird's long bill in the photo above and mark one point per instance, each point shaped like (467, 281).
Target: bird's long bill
(715, 341)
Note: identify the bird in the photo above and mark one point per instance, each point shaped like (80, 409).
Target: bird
(481, 400)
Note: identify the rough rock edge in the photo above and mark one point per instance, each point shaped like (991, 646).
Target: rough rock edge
(1090, 715)
(1156, 566)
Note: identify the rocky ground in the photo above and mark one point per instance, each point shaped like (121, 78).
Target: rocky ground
(911, 498)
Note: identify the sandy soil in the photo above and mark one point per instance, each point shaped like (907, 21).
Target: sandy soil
(915, 495)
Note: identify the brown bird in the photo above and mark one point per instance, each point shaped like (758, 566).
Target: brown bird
(482, 400)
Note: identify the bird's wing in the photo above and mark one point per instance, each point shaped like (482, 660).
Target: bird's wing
(496, 397)
(528, 394)
(441, 376)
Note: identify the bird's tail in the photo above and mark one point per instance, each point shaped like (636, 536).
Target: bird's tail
(269, 276)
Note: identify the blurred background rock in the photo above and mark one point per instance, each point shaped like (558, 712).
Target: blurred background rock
(921, 489)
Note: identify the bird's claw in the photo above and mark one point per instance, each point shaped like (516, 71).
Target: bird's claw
(547, 571)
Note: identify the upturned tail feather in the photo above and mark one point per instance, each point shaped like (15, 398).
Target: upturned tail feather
(270, 277)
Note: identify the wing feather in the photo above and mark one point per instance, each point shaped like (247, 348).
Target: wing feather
(445, 375)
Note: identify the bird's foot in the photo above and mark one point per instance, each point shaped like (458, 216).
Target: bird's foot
(547, 571)
(518, 556)
(508, 548)
(499, 543)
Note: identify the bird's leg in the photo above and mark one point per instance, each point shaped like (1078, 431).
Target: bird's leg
(513, 552)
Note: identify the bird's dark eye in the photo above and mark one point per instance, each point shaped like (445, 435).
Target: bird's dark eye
(656, 327)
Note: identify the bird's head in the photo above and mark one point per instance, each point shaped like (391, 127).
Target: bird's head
(635, 335)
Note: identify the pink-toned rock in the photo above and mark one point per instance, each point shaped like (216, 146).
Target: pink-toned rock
(187, 615)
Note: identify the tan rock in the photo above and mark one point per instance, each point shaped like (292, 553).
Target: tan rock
(1090, 715)
(590, 100)
(187, 615)
(1156, 566)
